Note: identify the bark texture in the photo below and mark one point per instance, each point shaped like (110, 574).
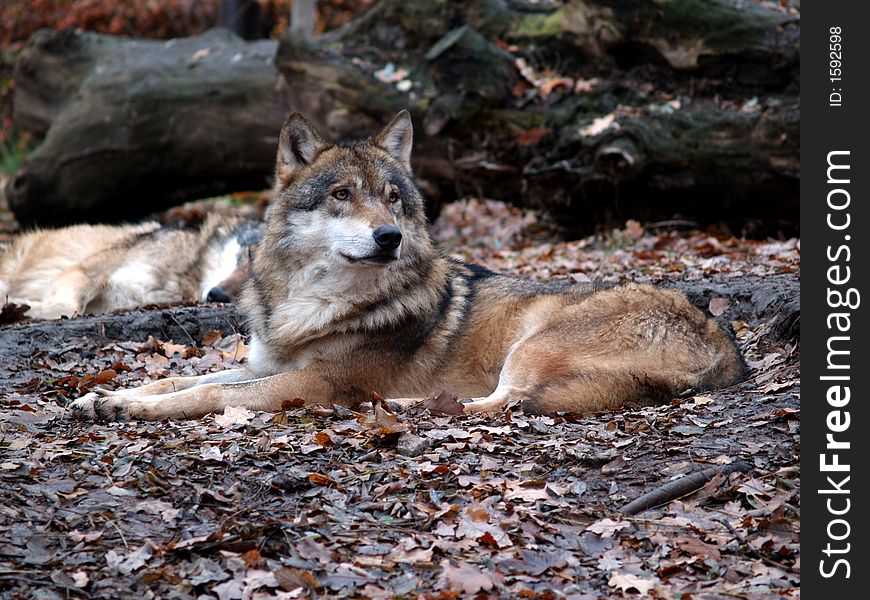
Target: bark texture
(133, 126)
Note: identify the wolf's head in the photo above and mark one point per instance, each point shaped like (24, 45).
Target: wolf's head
(351, 205)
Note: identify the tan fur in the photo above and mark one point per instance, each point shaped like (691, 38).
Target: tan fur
(100, 268)
(335, 316)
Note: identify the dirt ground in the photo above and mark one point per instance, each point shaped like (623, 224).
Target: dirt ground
(316, 502)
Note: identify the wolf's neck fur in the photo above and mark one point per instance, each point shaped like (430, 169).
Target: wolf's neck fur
(321, 298)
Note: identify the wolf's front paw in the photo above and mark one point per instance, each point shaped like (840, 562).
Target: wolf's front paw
(51, 310)
(83, 408)
(96, 406)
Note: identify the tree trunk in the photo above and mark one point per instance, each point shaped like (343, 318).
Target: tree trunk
(303, 19)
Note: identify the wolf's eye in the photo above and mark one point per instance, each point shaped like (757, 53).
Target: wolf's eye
(394, 196)
(341, 194)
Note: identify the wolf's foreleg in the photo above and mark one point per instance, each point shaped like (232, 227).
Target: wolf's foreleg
(266, 393)
(177, 384)
(70, 293)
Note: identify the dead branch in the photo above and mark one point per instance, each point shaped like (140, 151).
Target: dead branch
(676, 489)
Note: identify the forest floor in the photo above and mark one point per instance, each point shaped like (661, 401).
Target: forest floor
(318, 502)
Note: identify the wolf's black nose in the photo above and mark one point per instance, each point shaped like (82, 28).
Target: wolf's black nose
(216, 294)
(388, 237)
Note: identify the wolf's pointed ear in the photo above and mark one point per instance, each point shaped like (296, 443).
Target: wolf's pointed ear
(298, 144)
(397, 139)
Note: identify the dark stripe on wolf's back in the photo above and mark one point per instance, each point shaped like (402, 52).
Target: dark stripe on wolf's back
(473, 275)
(478, 271)
(521, 286)
(525, 287)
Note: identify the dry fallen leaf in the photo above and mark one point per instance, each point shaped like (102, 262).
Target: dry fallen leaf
(168, 349)
(212, 338)
(383, 420)
(532, 136)
(13, 313)
(628, 581)
(599, 125)
(200, 54)
(474, 524)
(465, 577)
(718, 306)
(321, 479)
(234, 415)
(445, 403)
(607, 527)
(702, 400)
(292, 579)
(292, 403)
(548, 86)
(166, 511)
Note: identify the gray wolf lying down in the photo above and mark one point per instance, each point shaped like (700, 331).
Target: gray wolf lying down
(93, 269)
(348, 295)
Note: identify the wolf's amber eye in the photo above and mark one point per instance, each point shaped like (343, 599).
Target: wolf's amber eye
(341, 194)
(394, 196)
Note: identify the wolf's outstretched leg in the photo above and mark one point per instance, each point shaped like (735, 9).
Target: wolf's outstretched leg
(266, 393)
(177, 384)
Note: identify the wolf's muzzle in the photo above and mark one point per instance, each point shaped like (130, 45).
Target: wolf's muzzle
(216, 294)
(387, 237)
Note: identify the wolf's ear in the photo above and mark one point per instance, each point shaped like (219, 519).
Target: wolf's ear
(397, 139)
(298, 144)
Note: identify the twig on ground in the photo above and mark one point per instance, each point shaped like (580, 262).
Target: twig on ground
(186, 332)
(681, 487)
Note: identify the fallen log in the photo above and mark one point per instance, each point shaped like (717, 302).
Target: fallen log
(186, 324)
(133, 126)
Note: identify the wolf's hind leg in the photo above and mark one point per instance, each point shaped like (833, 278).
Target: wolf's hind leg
(623, 356)
(497, 401)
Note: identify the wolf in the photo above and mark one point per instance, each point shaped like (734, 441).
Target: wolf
(348, 295)
(94, 269)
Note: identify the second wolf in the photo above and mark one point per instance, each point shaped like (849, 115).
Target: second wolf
(348, 295)
(101, 268)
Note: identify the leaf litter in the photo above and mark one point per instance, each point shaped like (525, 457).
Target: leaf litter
(414, 503)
